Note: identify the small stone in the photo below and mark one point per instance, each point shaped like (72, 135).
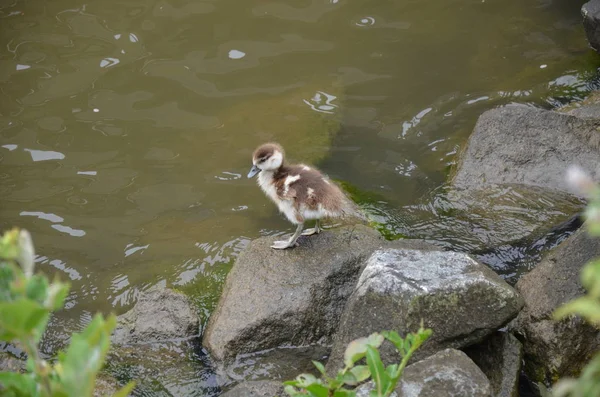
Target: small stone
(160, 314)
(260, 388)
(449, 373)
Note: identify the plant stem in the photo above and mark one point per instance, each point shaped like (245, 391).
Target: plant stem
(32, 351)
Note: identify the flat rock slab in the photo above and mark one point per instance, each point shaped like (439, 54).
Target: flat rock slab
(258, 388)
(449, 373)
(556, 349)
(499, 357)
(160, 314)
(461, 300)
(525, 145)
(295, 297)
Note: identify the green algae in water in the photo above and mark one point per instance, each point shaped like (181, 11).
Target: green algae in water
(369, 202)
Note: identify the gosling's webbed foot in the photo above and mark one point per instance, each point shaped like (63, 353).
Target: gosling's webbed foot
(311, 231)
(281, 245)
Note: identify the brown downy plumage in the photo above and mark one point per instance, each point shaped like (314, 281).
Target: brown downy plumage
(301, 192)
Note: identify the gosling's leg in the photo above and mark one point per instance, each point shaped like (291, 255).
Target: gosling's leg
(281, 245)
(315, 230)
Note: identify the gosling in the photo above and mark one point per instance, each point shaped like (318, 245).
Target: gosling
(300, 192)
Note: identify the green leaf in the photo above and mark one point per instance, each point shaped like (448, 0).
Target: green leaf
(344, 393)
(337, 381)
(7, 276)
(319, 366)
(392, 371)
(361, 373)
(590, 278)
(424, 334)
(349, 379)
(396, 339)
(37, 288)
(593, 228)
(378, 373)
(26, 256)
(305, 380)
(318, 390)
(22, 384)
(357, 349)
(291, 383)
(22, 318)
(57, 293)
(125, 391)
(9, 248)
(85, 356)
(584, 306)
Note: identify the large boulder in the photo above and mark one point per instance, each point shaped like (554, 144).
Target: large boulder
(160, 314)
(556, 349)
(295, 297)
(499, 357)
(461, 300)
(529, 146)
(449, 373)
(591, 23)
(257, 388)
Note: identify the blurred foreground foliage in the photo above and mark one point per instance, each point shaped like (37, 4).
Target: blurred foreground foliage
(26, 303)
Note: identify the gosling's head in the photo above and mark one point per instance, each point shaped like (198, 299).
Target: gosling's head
(267, 157)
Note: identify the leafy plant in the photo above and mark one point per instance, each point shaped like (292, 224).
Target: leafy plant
(346, 380)
(587, 306)
(26, 302)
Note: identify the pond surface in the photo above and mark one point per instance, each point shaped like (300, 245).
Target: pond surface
(127, 126)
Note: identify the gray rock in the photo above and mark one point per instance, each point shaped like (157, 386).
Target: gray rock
(449, 373)
(499, 357)
(164, 369)
(461, 300)
(477, 220)
(589, 108)
(160, 314)
(258, 388)
(556, 349)
(10, 363)
(525, 145)
(278, 364)
(106, 385)
(591, 23)
(289, 298)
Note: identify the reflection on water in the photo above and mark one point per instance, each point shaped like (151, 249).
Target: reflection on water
(126, 127)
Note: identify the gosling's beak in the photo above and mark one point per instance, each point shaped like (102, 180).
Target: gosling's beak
(253, 171)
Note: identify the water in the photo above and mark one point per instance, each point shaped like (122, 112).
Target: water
(127, 126)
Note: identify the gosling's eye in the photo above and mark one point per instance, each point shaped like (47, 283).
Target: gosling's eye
(261, 160)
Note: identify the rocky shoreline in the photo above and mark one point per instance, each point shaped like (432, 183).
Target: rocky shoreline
(282, 309)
